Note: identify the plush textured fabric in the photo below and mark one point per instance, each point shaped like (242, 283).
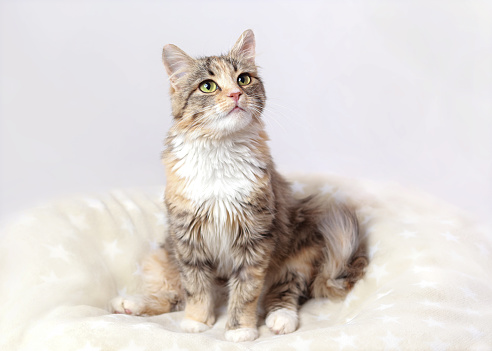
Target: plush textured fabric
(428, 285)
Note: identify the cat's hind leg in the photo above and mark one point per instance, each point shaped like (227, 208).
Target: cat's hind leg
(162, 291)
(288, 288)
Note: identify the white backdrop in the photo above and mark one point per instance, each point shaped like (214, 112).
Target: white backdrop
(392, 91)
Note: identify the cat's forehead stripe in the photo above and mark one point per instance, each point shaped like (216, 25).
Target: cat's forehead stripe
(213, 65)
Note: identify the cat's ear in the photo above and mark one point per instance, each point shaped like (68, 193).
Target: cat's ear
(177, 63)
(245, 47)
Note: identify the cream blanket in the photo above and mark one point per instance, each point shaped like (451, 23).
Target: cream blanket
(428, 285)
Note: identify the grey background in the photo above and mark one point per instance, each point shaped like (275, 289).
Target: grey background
(385, 90)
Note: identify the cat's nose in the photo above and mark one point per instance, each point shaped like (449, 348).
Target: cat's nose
(235, 95)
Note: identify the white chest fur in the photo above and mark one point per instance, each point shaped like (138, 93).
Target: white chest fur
(217, 176)
(217, 173)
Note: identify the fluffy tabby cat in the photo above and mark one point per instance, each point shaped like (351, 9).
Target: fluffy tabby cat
(232, 217)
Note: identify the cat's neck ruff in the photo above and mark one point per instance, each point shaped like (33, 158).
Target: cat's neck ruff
(219, 174)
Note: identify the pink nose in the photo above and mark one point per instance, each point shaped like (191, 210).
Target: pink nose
(235, 95)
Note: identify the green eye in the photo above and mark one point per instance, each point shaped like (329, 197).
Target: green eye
(208, 86)
(244, 79)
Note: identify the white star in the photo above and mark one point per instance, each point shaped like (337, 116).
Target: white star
(130, 206)
(450, 237)
(426, 284)
(111, 249)
(122, 292)
(345, 340)
(71, 233)
(300, 343)
(367, 219)
(390, 341)
(128, 226)
(369, 230)
(438, 345)
(446, 221)
(59, 330)
(160, 218)
(350, 297)
(138, 270)
(154, 244)
(410, 219)
(144, 326)
(171, 318)
(51, 278)
(388, 319)
(95, 204)
(408, 234)
(378, 272)
(373, 249)
(327, 189)
(484, 251)
(100, 324)
(323, 317)
(351, 320)
(298, 187)
(383, 306)
(380, 296)
(468, 293)
(474, 331)
(133, 347)
(420, 269)
(431, 304)
(472, 312)
(431, 322)
(79, 221)
(415, 255)
(59, 252)
(176, 347)
(340, 196)
(27, 220)
(88, 347)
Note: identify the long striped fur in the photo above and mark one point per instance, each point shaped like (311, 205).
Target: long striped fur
(233, 219)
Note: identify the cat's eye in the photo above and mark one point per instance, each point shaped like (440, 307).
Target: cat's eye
(208, 86)
(244, 79)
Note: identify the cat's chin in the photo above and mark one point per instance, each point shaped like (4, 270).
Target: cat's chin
(235, 121)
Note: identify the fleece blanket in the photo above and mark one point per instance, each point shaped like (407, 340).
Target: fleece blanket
(428, 285)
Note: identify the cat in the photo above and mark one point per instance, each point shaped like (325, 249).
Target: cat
(233, 220)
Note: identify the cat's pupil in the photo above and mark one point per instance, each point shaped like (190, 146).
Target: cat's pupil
(207, 86)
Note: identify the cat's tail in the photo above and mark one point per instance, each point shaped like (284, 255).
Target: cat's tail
(344, 254)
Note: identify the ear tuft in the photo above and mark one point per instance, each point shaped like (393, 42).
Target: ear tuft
(177, 63)
(245, 46)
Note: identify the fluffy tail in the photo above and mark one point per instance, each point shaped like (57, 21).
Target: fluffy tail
(344, 256)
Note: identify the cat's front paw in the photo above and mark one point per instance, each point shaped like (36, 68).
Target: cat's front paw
(241, 334)
(282, 321)
(133, 306)
(191, 326)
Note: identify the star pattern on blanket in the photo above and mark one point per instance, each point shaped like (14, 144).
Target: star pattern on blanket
(427, 270)
(133, 347)
(407, 234)
(59, 252)
(111, 249)
(298, 187)
(50, 278)
(345, 341)
(388, 319)
(391, 342)
(89, 347)
(95, 204)
(450, 237)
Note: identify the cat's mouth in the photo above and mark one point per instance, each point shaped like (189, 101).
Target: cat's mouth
(235, 109)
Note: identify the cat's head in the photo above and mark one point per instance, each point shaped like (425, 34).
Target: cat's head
(217, 95)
